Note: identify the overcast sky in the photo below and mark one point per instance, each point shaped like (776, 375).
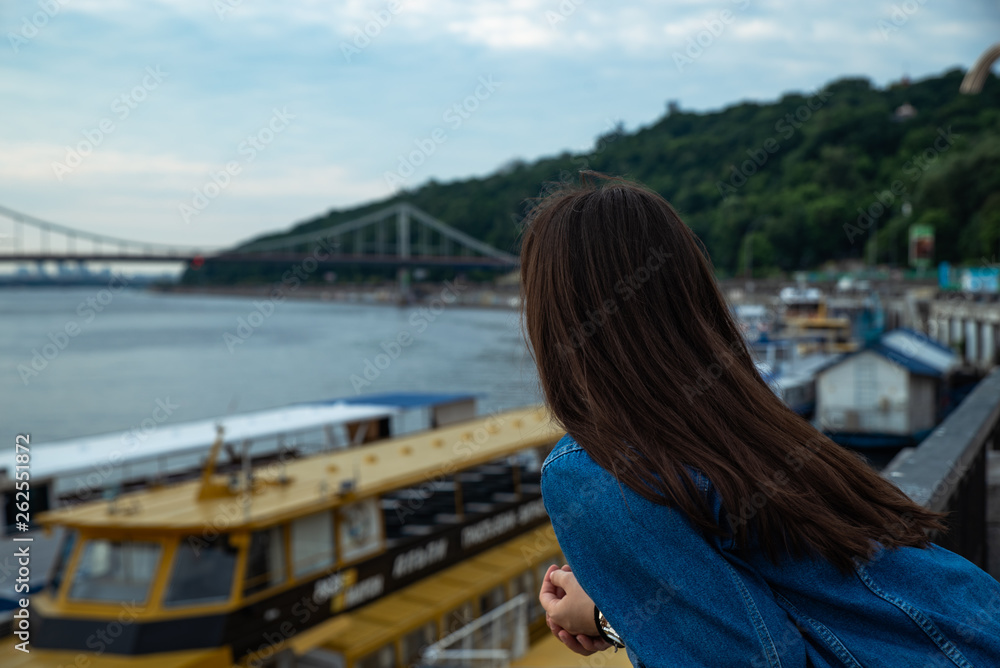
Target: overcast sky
(310, 113)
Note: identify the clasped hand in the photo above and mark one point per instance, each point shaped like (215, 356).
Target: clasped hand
(569, 612)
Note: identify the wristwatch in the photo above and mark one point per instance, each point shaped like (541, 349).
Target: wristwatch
(607, 633)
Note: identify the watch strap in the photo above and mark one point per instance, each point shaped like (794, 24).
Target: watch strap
(604, 629)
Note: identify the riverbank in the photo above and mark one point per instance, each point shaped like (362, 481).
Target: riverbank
(453, 294)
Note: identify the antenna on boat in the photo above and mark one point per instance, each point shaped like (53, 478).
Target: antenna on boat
(247, 479)
(282, 457)
(348, 485)
(111, 494)
(206, 489)
(246, 461)
(283, 476)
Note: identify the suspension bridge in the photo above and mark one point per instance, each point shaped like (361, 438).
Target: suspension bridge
(399, 235)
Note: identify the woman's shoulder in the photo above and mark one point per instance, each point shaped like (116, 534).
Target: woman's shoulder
(567, 445)
(570, 476)
(564, 446)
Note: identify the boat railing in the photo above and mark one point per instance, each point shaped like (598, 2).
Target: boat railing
(947, 472)
(493, 640)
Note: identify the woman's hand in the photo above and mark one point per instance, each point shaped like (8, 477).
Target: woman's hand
(569, 612)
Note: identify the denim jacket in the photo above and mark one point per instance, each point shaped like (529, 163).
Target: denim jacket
(680, 599)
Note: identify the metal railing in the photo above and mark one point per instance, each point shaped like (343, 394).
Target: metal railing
(947, 471)
(491, 641)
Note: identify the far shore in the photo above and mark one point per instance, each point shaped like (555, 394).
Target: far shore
(452, 294)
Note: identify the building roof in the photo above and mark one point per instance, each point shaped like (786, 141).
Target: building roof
(803, 369)
(921, 348)
(910, 364)
(915, 352)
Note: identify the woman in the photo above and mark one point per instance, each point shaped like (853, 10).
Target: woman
(710, 525)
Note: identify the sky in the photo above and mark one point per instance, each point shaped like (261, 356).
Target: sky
(207, 122)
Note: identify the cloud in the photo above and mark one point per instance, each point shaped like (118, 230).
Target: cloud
(758, 30)
(498, 30)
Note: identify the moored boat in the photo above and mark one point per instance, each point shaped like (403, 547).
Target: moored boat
(205, 571)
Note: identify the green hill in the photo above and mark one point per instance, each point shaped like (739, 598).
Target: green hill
(808, 177)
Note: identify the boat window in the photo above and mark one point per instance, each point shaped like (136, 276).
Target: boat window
(413, 644)
(115, 570)
(62, 559)
(265, 560)
(202, 572)
(312, 543)
(494, 598)
(360, 529)
(489, 635)
(321, 657)
(384, 657)
(525, 584)
(457, 618)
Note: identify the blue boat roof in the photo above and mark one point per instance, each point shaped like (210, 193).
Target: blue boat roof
(406, 399)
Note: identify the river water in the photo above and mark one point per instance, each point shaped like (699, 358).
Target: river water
(82, 361)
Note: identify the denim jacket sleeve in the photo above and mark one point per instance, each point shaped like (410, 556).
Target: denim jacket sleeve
(679, 599)
(655, 577)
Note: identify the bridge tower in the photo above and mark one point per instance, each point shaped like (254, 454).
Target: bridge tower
(403, 251)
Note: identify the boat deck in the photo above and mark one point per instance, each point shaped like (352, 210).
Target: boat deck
(281, 492)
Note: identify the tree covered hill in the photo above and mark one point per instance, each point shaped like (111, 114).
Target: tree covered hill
(802, 180)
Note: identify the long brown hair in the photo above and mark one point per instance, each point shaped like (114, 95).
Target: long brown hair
(642, 363)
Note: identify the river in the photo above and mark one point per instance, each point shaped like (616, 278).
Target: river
(82, 361)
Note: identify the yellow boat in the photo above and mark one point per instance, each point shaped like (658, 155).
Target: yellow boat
(324, 556)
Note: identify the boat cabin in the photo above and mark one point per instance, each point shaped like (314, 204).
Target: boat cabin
(225, 562)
